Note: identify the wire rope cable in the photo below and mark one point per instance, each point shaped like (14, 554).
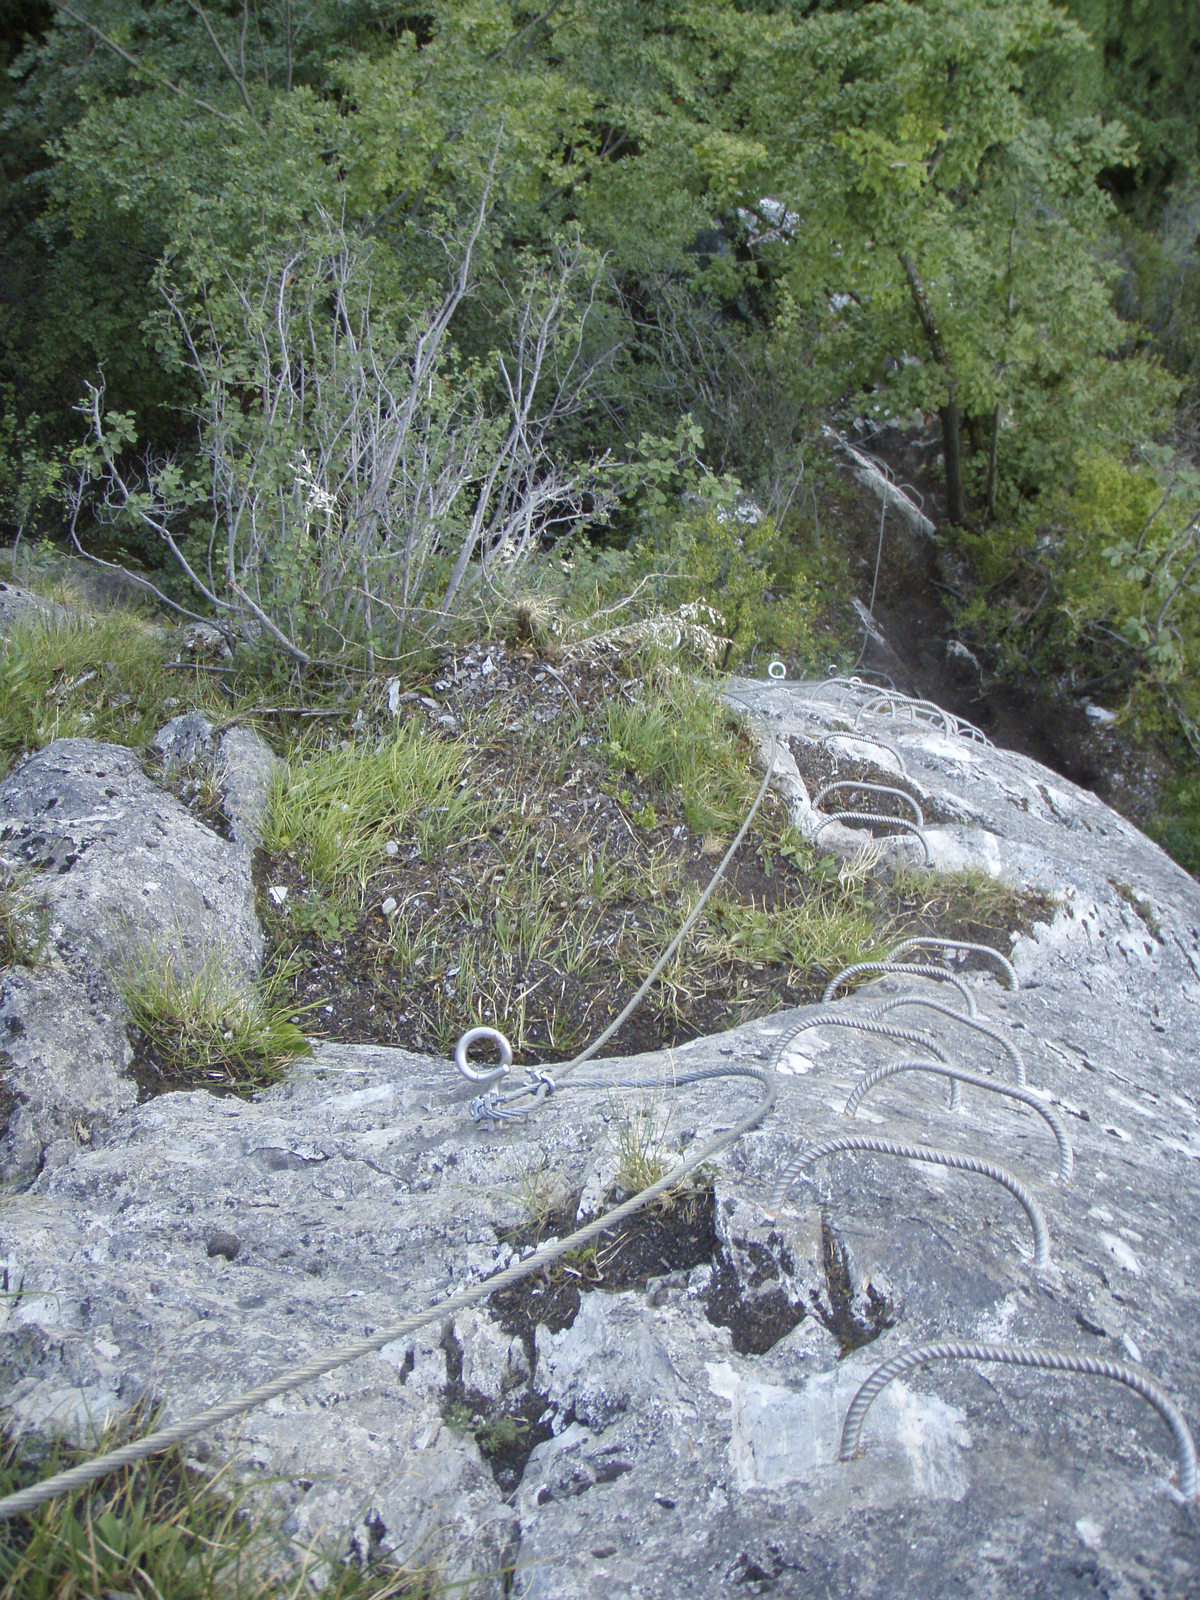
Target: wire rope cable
(1050, 1360)
(936, 1158)
(163, 1438)
(86, 1472)
(1066, 1156)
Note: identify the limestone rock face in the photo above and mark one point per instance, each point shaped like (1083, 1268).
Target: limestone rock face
(672, 1460)
(125, 871)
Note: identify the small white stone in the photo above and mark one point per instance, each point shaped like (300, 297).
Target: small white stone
(278, 893)
(391, 848)
(389, 906)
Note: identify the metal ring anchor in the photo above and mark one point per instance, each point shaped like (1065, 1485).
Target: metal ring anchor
(1017, 1356)
(776, 670)
(490, 1074)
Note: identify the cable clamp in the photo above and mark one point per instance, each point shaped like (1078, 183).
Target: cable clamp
(487, 1108)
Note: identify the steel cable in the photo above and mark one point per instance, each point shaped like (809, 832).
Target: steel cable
(137, 1450)
(1013, 1355)
(937, 1158)
(86, 1472)
(1066, 1158)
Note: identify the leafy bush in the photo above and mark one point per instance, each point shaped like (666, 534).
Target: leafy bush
(361, 481)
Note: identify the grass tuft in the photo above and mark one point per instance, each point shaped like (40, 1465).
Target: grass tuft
(209, 1027)
(164, 1530)
(680, 736)
(337, 811)
(23, 921)
(96, 677)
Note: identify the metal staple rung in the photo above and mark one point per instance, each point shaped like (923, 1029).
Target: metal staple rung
(972, 1021)
(877, 821)
(911, 705)
(928, 941)
(863, 738)
(863, 1087)
(936, 1158)
(837, 1020)
(1050, 1360)
(905, 968)
(870, 788)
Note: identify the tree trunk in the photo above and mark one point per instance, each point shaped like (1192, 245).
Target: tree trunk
(951, 413)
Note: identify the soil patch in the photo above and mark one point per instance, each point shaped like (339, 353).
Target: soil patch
(546, 920)
(652, 1243)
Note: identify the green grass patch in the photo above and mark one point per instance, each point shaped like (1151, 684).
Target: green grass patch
(680, 736)
(206, 1026)
(98, 677)
(23, 922)
(160, 1530)
(339, 810)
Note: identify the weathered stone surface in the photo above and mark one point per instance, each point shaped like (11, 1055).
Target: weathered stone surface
(359, 1191)
(20, 604)
(184, 740)
(126, 871)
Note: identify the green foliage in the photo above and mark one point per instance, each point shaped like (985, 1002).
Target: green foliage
(98, 677)
(338, 810)
(207, 1025)
(1108, 589)
(1176, 826)
(162, 1528)
(680, 736)
(762, 593)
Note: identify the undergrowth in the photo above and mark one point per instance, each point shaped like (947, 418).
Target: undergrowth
(103, 677)
(164, 1530)
(207, 1025)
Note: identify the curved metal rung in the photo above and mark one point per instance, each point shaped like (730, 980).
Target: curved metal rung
(905, 969)
(911, 705)
(875, 821)
(1066, 1157)
(863, 738)
(869, 788)
(1049, 1360)
(489, 1075)
(929, 941)
(936, 1158)
(972, 1021)
(881, 1029)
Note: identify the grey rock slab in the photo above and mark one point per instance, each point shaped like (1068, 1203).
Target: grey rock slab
(184, 740)
(680, 1463)
(18, 604)
(126, 874)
